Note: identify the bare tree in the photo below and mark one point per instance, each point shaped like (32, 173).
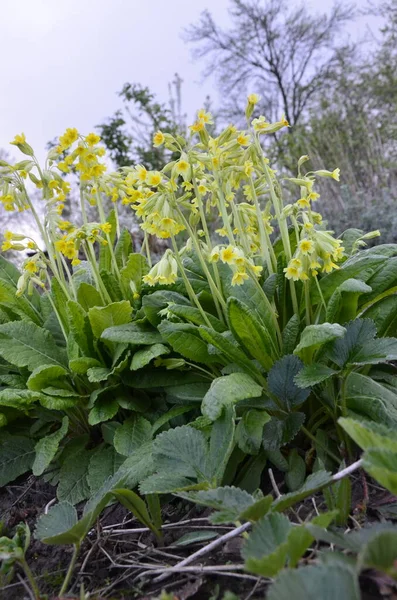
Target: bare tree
(284, 53)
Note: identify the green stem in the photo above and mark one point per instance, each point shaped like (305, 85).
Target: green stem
(188, 285)
(102, 217)
(147, 249)
(326, 450)
(261, 226)
(222, 205)
(215, 291)
(282, 223)
(69, 574)
(54, 308)
(307, 302)
(31, 579)
(100, 285)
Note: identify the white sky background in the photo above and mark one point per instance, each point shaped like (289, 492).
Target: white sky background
(64, 61)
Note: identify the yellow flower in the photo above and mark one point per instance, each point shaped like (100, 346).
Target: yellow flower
(260, 124)
(62, 166)
(31, 267)
(306, 246)
(8, 235)
(228, 255)
(239, 277)
(313, 196)
(106, 227)
(303, 203)
(141, 173)
(248, 168)
(336, 174)
(75, 262)
(92, 139)
(215, 254)
(291, 273)
(197, 126)
(158, 138)
(19, 139)
(70, 136)
(243, 139)
(205, 117)
(7, 245)
(153, 178)
(253, 98)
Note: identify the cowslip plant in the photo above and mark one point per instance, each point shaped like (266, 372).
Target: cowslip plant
(254, 333)
(258, 321)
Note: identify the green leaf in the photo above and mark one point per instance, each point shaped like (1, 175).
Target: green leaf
(328, 582)
(105, 408)
(186, 340)
(281, 382)
(362, 267)
(47, 447)
(369, 435)
(171, 414)
(313, 374)
(371, 399)
(16, 457)
(73, 484)
(135, 268)
(104, 463)
(315, 336)
(359, 334)
(265, 551)
(101, 318)
(313, 484)
(195, 536)
(19, 399)
(249, 332)
(249, 431)
(295, 476)
(251, 295)
(194, 316)
(168, 483)
(342, 306)
(79, 327)
(143, 357)
(279, 431)
(290, 335)
(137, 506)
(45, 376)
(232, 353)
(380, 553)
(189, 392)
(132, 333)
(88, 297)
(123, 249)
(382, 466)
(81, 365)
(133, 433)
(181, 451)
(228, 390)
(384, 315)
(24, 344)
(343, 500)
(58, 526)
(154, 303)
(383, 279)
(229, 501)
(221, 444)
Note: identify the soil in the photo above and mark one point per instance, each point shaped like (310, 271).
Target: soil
(117, 566)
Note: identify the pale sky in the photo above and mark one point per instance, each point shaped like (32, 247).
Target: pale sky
(64, 61)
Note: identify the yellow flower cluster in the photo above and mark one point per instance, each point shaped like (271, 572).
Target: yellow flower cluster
(165, 272)
(315, 252)
(69, 244)
(84, 157)
(241, 266)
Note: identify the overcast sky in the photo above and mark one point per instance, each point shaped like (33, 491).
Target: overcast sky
(67, 59)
